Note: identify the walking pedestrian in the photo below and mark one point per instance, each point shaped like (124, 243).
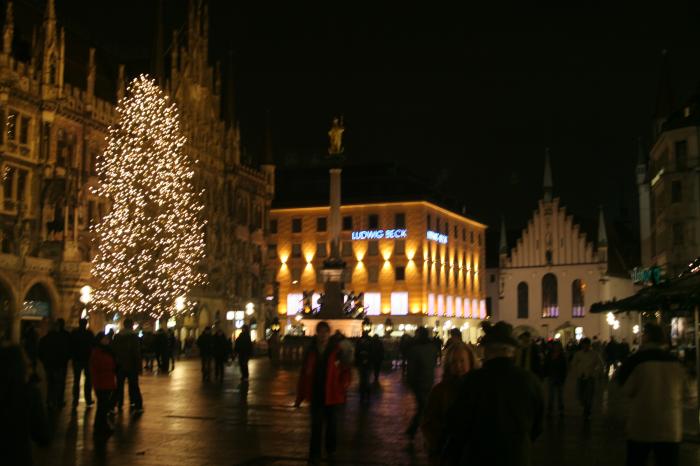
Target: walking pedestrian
(243, 349)
(499, 407)
(162, 351)
(103, 367)
(458, 360)
(528, 355)
(23, 418)
(422, 358)
(555, 372)
(323, 382)
(377, 357)
(127, 350)
(82, 340)
(221, 352)
(654, 380)
(587, 367)
(363, 362)
(174, 346)
(205, 344)
(54, 352)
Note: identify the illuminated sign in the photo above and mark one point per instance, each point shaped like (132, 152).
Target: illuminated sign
(438, 237)
(397, 233)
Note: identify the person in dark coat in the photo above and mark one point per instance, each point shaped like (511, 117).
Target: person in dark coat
(162, 351)
(54, 352)
(174, 346)
(528, 355)
(244, 350)
(458, 360)
(422, 358)
(363, 361)
(205, 344)
(222, 352)
(103, 367)
(377, 357)
(323, 381)
(499, 407)
(555, 367)
(127, 350)
(82, 341)
(23, 418)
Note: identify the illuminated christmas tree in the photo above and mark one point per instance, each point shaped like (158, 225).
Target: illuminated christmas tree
(151, 242)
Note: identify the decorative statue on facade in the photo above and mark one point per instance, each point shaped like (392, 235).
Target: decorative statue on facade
(336, 136)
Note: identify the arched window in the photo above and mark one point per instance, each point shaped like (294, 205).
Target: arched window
(550, 304)
(577, 299)
(523, 297)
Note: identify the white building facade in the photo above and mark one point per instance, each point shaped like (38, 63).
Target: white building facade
(553, 275)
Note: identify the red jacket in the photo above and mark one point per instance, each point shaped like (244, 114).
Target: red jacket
(338, 377)
(103, 369)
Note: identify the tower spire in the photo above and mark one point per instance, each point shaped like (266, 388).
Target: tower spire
(503, 246)
(602, 234)
(547, 182)
(8, 31)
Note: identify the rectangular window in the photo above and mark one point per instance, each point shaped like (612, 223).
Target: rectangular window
(458, 307)
(22, 185)
(464, 234)
(450, 306)
(471, 237)
(429, 221)
(321, 224)
(681, 155)
(455, 231)
(479, 239)
(296, 225)
(373, 221)
(676, 191)
(12, 125)
(373, 303)
(431, 304)
(400, 220)
(399, 303)
(347, 223)
(446, 231)
(7, 186)
(400, 247)
(346, 248)
(271, 251)
(437, 224)
(492, 278)
(373, 273)
(273, 226)
(373, 248)
(296, 250)
(294, 303)
(441, 305)
(321, 250)
(24, 130)
(678, 239)
(400, 273)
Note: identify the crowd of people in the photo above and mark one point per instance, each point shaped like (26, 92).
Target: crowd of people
(487, 409)
(490, 404)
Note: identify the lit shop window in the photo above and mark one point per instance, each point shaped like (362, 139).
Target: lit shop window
(373, 303)
(431, 304)
(440, 305)
(399, 303)
(450, 306)
(294, 303)
(458, 307)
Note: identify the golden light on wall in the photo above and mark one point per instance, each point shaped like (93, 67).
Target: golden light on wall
(284, 256)
(386, 250)
(360, 250)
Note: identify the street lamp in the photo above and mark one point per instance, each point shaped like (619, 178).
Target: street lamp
(250, 309)
(366, 325)
(85, 298)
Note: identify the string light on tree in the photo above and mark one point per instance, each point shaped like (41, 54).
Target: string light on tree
(151, 242)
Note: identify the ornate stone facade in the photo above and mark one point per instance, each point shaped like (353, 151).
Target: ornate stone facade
(53, 134)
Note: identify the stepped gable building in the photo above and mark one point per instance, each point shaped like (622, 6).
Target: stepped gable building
(54, 132)
(549, 280)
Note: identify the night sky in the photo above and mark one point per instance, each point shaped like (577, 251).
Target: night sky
(470, 98)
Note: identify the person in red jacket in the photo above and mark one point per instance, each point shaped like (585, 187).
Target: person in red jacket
(103, 368)
(323, 382)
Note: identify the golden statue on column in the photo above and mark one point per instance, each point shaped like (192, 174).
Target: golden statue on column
(336, 137)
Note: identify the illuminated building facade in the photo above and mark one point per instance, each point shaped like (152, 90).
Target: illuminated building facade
(53, 133)
(415, 262)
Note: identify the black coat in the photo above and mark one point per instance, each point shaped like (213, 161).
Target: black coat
(205, 343)
(54, 349)
(497, 416)
(81, 343)
(244, 346)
